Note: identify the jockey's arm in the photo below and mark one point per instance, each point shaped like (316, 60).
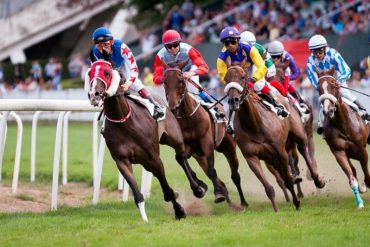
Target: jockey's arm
(130, 69)
(294, 70)
(157, 70)
(259, 63)
(221, 69)
(341, 67)
(197, 59)
(311, 73)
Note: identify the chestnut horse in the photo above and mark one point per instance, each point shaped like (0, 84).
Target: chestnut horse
(344, 130)
(307, 123)
(261, 135)
(201, 136)
(132, 136)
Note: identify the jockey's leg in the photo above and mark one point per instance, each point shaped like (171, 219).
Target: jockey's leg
(260, 86)
(158, 110)
(300, 103)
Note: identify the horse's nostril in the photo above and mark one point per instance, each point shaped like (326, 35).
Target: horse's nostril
(96, 94)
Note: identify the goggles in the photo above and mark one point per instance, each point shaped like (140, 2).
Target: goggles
(170, 46)
(229, 41)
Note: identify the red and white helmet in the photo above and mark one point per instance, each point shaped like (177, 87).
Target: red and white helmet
(171, 36)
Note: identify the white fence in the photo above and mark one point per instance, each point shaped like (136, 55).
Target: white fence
(64, 107)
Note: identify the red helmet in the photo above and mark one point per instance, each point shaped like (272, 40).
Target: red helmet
(171, 36)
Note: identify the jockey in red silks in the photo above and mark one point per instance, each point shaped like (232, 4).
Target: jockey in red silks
(284, 59)
(123, 60)
(176, 51)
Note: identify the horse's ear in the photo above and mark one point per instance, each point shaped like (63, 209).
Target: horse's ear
(92, 57)
(182, 64)
(105, 56)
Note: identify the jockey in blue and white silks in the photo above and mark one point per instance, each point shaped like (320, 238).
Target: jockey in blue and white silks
(324, 58)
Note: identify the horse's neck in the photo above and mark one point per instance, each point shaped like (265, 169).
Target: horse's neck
(342, 114)
(249, 116)
(188, 105)
(116, 107)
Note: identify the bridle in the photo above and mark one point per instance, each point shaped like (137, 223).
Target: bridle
(182, 95)
(327, 95)
(245, 92)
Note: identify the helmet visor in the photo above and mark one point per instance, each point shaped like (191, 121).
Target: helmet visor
(102, 39)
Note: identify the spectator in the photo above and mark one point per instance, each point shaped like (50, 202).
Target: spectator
(49, 72)
(187, 8)
(6, 88)
(57, 75)
(18, 73)
(365, 81)
(147, 77)
(36, 72)
(75, 66)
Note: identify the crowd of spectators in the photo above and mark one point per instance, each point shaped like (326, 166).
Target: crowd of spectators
(269, 20)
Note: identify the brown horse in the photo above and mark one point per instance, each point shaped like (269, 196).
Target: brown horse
(261, 135)
(344, 130)
(308, 126)
(132, 136)
(201, 135)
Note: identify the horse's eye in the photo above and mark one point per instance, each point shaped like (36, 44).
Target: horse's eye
(106, 74)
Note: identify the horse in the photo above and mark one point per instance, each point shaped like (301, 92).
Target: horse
(261, 135)
(279, 81)
(344, 131)
(201, 135)
(132, 136)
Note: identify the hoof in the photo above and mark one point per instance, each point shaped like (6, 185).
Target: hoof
(203, 185)
(199, 192)
(180, 213)
(219, 198)
(362, 188)
(320, 183)
(236, 208)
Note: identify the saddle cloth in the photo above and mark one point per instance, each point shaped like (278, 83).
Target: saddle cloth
(147, 104)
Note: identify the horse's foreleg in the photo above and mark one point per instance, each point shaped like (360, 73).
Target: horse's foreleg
(342, 160)
(199, 190)
(228, 148)
(255, 165)
(307, 154)
(125, 167)
(279, 180)
(155, 166)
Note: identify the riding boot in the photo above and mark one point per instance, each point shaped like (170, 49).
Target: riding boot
(301, 102)
(206, 98)
(365, 115)
(158, 110)
(281, 111)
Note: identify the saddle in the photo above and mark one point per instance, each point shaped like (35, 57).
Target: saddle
(146, 103)
(355, 108)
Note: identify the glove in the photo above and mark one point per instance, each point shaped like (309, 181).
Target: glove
(253, 80)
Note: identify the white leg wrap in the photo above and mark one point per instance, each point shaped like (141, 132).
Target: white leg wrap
(142, 211)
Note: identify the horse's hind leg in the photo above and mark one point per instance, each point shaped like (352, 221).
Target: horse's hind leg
(124, 166)
(293, 164)
(363, 161)
(155, 166)
(228, 148)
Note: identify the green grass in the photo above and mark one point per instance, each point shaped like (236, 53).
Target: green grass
(326, 219)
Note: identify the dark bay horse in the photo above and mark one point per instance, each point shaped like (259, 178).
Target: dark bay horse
(261, 135)
(132, 136)
(201, 135)
(345, 132)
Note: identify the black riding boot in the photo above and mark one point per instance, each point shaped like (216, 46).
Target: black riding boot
(365, 115)
(279, 107)
(158, 110)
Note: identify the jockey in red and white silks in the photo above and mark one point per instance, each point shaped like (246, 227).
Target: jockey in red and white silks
(176, 51)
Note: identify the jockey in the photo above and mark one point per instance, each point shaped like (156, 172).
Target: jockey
(248, 37)
(123, 60)
(174, 51)
(235, 51)
(284, 59)
(324, 58)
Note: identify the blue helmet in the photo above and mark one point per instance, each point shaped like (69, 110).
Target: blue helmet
(229, 32)
(102, 34)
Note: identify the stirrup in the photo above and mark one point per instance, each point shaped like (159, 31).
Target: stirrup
(158, 112)
(281, 110)
(305, 107)
(365, 116)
